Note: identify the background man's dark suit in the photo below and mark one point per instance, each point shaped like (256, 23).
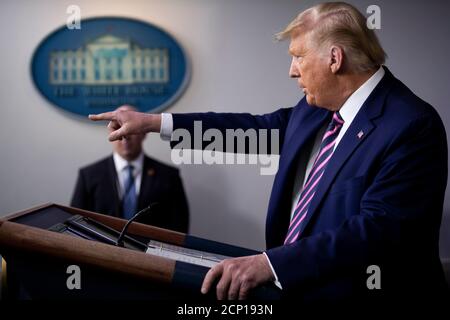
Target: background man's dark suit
(96, 190)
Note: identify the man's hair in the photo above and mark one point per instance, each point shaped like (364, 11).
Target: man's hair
(341, 24)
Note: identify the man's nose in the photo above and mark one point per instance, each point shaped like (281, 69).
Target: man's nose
(293, 70)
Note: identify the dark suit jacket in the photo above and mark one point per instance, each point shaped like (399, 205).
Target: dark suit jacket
(96, 190)
(379, 202)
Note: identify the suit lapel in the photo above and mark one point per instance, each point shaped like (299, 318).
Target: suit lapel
(147, 183)
(305, 122)
(346, 147)
(358, 131)
(302, 133)
(112, 181)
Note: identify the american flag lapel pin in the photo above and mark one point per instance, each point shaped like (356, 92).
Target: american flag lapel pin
(360, 134)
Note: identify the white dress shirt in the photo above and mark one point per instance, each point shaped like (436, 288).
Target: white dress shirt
(348, 112)
(122, 172)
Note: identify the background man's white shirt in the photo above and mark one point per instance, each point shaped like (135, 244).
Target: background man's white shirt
(122, 173)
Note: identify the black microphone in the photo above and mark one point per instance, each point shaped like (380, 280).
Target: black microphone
(119, 241)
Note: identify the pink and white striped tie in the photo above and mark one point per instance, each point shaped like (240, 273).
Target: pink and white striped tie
(310, 187)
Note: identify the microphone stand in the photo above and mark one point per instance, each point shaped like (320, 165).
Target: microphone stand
(119, 241)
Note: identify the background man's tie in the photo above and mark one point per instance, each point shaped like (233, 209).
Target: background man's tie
(310, 187)
(129, 204)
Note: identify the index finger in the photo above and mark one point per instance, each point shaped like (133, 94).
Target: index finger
(212, 274)
(103, 116)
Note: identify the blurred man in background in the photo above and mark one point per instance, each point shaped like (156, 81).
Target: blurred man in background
(128, 181)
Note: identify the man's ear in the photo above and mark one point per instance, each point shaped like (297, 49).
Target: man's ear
(336, 59)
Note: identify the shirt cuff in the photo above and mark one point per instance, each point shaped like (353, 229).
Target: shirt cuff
(166, 126)
(276, 282)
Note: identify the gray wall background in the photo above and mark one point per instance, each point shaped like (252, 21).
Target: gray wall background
(236, 66)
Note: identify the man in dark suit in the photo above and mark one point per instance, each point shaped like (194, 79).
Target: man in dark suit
(105, 186)
(357, 201)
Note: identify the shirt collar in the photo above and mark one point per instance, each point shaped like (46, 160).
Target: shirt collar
(120, 163)
(351, 107)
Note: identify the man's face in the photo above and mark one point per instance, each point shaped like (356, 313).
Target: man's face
(129, 147)
(311, 69)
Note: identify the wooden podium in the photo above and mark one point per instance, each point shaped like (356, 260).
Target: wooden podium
(37, 260)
